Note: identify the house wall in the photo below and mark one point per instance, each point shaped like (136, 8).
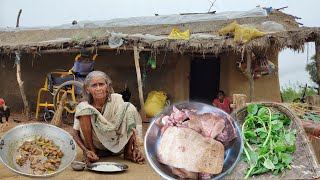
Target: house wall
(171, 75)
(232, 81)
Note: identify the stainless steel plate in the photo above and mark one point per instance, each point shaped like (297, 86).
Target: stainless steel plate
(122, 167)
(152, 139)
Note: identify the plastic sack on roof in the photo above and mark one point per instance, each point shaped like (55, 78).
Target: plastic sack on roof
(155, 102)
(241, 34)
(176, 34)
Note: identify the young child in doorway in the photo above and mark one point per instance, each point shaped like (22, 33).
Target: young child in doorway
(222, 102)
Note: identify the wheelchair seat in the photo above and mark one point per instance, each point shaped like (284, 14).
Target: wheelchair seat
(83, 68)
(55, 81)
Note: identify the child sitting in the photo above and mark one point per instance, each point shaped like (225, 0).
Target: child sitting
(4, 111)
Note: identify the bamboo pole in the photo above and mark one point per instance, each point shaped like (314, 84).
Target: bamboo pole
(317, 58)
(249, 75)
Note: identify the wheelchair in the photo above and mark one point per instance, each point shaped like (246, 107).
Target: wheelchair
(71, 82)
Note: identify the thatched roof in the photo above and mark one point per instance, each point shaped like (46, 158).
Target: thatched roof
(292, 37)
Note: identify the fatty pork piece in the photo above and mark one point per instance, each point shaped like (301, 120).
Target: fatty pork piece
(212, 125)
(186, 149)
(207, 124)
(228, 133)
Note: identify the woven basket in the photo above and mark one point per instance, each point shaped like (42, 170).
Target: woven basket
(315, 141)
(304, 165)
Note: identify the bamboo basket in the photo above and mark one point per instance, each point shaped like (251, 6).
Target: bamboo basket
(315, 141)
(304, 165)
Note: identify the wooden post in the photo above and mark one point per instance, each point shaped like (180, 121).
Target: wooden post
(239, 101)
(138, 72)
(142, 113)
(317, 58)
(21, 86)
(20, 82)
(249, 74)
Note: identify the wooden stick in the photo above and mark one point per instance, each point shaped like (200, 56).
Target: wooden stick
(77, 50)
(18, 18)
(212, 3)
(317, 58)
(20, 82)
(136, 62)
(249, 75)
(56, 120)
(282, 8)
(21, 86)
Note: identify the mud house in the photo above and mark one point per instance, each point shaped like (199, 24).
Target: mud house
(194, 68)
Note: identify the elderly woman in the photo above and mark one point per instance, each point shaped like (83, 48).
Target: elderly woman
(104, 124)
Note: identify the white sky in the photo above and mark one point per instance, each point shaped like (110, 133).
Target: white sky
(57, 12)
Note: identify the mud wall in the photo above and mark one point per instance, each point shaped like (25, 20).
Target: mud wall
(171, 75)
(232, 81)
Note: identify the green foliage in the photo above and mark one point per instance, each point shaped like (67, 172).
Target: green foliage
(268, 143)
(312, 69)
(293, 91)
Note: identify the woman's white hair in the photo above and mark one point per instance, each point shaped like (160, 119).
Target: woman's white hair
(87, 81)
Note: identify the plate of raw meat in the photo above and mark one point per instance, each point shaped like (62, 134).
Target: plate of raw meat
(194, 141)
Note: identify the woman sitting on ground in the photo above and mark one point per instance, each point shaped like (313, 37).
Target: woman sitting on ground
(104, 124)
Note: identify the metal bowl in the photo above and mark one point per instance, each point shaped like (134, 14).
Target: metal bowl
(152, 139)
(14, 138)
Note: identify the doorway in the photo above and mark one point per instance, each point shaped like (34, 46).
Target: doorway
(204, 79)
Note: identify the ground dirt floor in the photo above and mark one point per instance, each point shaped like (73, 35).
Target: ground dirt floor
(134, 172)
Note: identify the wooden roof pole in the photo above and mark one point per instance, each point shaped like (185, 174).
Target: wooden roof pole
(249, 74)
(21, 86)
(93, 48)
(20, 82)
(317, 58)
(142, 113)
(136, 52)
(138, 72)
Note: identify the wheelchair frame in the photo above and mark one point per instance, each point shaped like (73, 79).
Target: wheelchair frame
(56, 87)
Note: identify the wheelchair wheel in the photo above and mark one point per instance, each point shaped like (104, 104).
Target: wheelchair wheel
(48, 115)
(72, 99)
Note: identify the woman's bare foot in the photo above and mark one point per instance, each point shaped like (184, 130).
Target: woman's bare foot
(132, 151)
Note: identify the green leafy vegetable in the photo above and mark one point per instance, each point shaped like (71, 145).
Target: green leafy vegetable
(252, 109)
(268, 143)
(268, 164)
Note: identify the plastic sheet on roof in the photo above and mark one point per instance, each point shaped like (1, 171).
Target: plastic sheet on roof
(155, 20)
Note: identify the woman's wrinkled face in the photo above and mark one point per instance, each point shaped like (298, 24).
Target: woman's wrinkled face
(97, 88)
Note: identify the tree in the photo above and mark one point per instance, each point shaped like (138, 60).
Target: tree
(312, 69)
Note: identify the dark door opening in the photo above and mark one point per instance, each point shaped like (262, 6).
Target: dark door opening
(204, 79)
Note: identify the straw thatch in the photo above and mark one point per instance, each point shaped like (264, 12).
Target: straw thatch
(37, 40)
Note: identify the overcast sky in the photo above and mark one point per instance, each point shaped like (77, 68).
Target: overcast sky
(57, 12)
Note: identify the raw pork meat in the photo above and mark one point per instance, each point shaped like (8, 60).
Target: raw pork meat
(187, 149)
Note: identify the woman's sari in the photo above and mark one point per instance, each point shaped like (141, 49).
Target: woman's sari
(113, 127)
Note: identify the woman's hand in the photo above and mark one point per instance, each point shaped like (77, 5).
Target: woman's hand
(91, 156)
